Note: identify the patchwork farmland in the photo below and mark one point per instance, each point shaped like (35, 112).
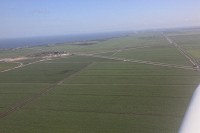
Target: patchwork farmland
(135, 84)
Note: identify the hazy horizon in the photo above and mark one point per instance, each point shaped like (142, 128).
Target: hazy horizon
(50, 17)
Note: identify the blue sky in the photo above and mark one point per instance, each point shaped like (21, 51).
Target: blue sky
(26, 18)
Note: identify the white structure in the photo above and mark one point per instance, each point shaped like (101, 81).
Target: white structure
(191, 122)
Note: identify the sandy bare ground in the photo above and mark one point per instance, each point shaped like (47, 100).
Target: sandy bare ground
(22, 65)
(46, 58)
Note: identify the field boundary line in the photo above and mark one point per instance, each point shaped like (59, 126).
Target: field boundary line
(187, 55)
(123, 49)
(141, 62)
(22, 65)
(63, 80)
(28, 83)
(126, 95)
(118, 113)
(20, 104)
(187, 34)
(129, 84)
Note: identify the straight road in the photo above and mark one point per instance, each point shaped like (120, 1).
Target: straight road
(140, 61)
(22, 65)
(192, 60)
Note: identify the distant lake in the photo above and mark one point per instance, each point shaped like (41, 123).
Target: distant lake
(34, 41)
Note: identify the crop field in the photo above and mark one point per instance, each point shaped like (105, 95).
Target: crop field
(97, 89)
(136, 40)
(189, 42)
(164, 54)
(16, 52)
(5, 66)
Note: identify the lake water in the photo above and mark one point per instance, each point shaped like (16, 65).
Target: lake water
(24, 42)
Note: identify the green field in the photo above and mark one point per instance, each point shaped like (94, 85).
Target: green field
(189, 42)
(5, 66)
(88, 94)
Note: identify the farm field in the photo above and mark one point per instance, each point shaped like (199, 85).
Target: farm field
(189, 42)
(16, 52)
(4, 66)
(97, 89)
(164, 54)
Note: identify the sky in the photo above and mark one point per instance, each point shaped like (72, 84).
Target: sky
(29, 18)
